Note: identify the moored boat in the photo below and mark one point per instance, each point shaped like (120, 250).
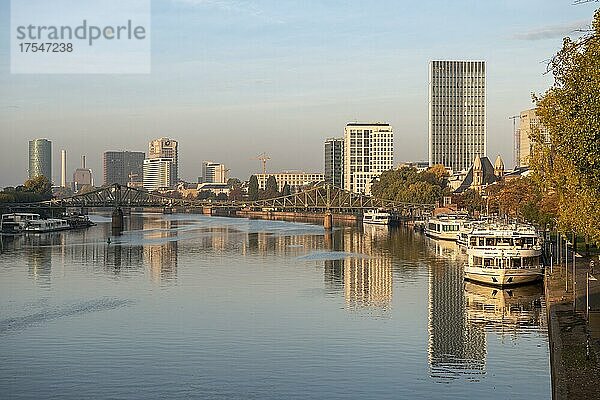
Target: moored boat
(16, 222)
(376, 217)
(444, 227)
(504, 255)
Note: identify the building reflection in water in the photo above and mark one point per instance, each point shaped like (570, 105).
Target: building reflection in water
(160, 248)
(366, 274)
(456, 347)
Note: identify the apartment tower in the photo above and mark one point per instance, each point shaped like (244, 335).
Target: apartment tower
(457, 113)
(368, 151)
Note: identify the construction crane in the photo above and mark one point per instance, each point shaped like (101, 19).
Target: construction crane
(264, 158)
(517, 139)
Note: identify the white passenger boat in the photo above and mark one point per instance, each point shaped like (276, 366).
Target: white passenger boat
(16, 222)
(47, 225)
(444, 227)
(376, 217)
(29, 222)
(504, 255)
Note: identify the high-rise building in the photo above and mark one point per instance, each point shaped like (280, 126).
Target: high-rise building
(213, 172)
(158, 174)
(123, 167)
(63, 168)
(334, 161)
(82, 176)
(530, 130)
(166, 148)
(40, 158)
(457, 113)
(368, 151)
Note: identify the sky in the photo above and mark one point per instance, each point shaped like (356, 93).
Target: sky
(233, 79)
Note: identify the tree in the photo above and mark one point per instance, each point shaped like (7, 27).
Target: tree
(233, 183)
(408, 185)
(568, 167)
(271, 188)
(253, 188)
(470, 200)
(236, 194)
(39, 185)
(286, 191)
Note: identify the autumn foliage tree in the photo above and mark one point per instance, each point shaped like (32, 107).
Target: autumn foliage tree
(567, 167)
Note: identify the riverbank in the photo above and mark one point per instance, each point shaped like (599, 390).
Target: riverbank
(574, 344)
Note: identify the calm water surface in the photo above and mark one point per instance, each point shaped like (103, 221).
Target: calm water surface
(187, 306)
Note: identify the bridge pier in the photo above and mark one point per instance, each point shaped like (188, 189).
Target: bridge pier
(118, 220)
(328, 221)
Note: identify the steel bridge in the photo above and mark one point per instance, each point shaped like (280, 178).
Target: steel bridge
(319, 199)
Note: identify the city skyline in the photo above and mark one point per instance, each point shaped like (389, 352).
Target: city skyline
(267, 97)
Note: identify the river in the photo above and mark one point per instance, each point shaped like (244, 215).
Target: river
(190, 306)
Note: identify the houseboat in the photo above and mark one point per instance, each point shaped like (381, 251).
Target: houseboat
(30, 223)
(16, 222)
(504, 255)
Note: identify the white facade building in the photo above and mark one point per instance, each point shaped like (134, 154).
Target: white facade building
(295, 179)
(457, 113)
(158, 174)
(368, 151)
(166, 148)
(213, 172)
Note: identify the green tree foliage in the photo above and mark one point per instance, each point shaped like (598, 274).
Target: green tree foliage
(569, 166)
(34, 190)
(286, 191)
(253, 188)
(39, 185)
(408, 185)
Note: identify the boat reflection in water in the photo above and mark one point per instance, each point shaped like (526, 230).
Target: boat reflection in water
(508, 310)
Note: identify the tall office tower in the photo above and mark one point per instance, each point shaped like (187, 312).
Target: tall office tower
(334, 161)
(166, 148)
(530, 131)
(213, 172)
(457, 115)
(123, 167)
(82, 176)
(158, 174)
(368, 151)
(63, 168)
(40, 158)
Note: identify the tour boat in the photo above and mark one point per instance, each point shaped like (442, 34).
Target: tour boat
(504, 255)
(32, 223)
(376, 217)
(16, 222)
(444, 227)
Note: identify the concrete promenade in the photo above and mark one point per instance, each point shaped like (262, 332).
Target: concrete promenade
(574, 342)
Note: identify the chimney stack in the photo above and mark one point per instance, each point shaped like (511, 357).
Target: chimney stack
(83, 161)
(63, 170)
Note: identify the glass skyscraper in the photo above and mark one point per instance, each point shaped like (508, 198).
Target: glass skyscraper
(40, 158)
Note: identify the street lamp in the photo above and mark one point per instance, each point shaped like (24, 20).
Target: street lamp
(590, 277)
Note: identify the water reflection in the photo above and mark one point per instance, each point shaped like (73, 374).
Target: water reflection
(457, 347)
(505, 310)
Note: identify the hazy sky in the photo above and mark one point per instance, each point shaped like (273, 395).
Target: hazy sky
(233, 79)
